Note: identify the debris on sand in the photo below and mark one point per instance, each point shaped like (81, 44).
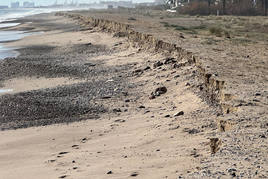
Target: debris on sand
(158, 91)
(215, 144)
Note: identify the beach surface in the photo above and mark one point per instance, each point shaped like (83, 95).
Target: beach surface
(88, 102)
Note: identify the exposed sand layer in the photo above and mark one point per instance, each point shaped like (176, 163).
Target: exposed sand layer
(139, 131)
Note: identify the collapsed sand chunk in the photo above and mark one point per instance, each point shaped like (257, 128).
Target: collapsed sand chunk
(215, 144)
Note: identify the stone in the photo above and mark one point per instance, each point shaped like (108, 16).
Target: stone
(160, 90)
(132, 19)
(134, 174)
(169, 60)
(120, 120)
(147, 68)
(181, 36)
(176, 76)
(90, 64)
(110, 172)
(179, 113)
(158, 64)
(117, 110)
(62, 153)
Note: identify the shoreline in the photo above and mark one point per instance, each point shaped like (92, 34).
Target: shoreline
(47, 61)
(169, 135)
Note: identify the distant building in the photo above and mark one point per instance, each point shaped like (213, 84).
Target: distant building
(28, 4)
(15, 4)
(3, 7)
(117, 3)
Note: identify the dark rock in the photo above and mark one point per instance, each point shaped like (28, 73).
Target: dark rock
(90, 64)
(106, 97)
(181, 36)
(125, 93)
(176, 76)
(160, 90)
(147, 68)
(193, 131)
(63, 176)
(138, 71)
(167, 115)
(62, 153)
(179, 113)
(158, 64)
(134, 174)
(117, 110)
(232, 172)
(127, 100)
(132, 19)
(169, 60)
(141, 107)
(120, 34)
(120, 120)
(110, 172)
(263, 136)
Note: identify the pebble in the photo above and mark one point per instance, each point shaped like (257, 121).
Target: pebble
(110, 172)
(179, 113)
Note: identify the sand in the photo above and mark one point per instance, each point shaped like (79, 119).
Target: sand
(18, 85)
(137, 137)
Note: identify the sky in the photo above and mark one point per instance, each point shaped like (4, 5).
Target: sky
(49, 2)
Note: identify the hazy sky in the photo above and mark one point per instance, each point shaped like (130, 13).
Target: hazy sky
(47, 2)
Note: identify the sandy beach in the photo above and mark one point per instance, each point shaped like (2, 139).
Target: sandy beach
(88, 101)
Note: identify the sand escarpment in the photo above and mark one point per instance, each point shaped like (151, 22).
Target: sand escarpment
(213, 86)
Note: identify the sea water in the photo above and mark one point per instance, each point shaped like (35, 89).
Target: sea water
(9, 15)
(6, 18)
